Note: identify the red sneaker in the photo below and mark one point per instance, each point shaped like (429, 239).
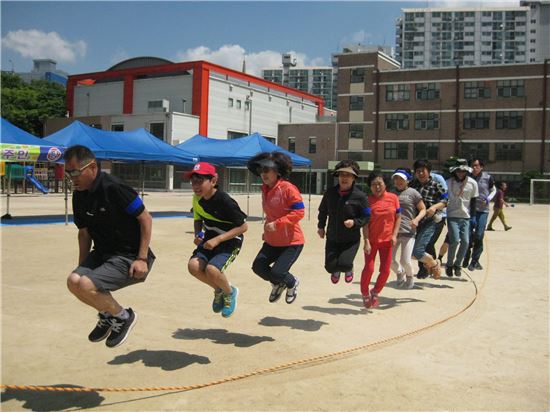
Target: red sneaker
(335, 277)
(349, 277)
(374, 300)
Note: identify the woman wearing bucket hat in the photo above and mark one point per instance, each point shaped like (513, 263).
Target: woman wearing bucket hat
(345, 206)
(463, 192)
(283, 238)
(413, 211)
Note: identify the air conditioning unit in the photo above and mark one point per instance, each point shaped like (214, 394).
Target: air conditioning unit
(158, 105)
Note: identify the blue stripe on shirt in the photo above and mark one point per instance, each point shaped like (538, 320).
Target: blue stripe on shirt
(398, 210)
(297, 205)
(366, 211)
(445, 196)
(135, 205)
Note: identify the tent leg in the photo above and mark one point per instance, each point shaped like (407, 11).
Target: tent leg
(247, 192)
(7, 215)
(66, 191)
(309, 193)
(142, 180)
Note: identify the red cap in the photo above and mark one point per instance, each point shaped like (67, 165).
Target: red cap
(201, 168)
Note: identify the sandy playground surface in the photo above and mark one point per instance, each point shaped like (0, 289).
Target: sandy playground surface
(422, 349)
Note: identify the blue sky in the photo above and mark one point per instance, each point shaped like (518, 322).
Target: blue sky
(92, 36)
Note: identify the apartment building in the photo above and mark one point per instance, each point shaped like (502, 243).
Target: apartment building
(445, 37)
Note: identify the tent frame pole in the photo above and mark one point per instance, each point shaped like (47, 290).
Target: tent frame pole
(8, 195)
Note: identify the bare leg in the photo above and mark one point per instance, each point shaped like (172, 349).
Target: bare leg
(197, 267)
(84, 289)
(218, 278)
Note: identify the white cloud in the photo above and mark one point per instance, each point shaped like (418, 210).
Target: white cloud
(231, 56)
(361, 37)
(37, 44)
(119, 55)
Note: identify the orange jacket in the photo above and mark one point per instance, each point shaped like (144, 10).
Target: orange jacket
(283, 205)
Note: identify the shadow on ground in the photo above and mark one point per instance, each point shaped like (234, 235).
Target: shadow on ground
(54, 401)
(167, 360)
(309, 325)
(221, 336)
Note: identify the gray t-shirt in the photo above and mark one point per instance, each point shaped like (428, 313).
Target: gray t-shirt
(460, 194)
(408, 199)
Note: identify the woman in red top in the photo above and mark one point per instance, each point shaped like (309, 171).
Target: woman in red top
(380, 235)
(283, 238)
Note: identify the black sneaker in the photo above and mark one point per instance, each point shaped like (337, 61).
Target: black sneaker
(276, 292)
(120, 329)
(292, 292)
(102, 328)
(449, 271)
(466, 265)
(422, 273)
(471, 266)
(457, 271)
(478, 266)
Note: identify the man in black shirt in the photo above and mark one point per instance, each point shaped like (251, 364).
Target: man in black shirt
(113, 217)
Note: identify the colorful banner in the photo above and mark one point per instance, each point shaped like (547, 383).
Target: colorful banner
(29, 153)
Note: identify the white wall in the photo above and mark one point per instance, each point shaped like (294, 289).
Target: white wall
(98, 99)
(184, 127)
(172, 88)
(268, 110)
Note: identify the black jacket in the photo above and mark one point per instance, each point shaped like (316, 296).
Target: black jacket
(340, 208)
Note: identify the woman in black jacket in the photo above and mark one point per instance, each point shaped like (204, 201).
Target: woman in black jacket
(346, 208)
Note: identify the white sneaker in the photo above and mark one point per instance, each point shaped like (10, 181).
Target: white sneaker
(292, 292)
(400, 279)
(409, 283)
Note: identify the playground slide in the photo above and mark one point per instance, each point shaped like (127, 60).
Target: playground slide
(37, 184)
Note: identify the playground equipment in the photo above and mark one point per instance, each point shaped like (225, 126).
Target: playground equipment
(15, 172)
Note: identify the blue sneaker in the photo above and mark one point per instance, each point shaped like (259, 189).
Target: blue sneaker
(230, 302)
(217, 303)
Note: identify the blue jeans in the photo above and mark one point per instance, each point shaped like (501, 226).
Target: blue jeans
(424, 234)
(459, 232)
(477, 232)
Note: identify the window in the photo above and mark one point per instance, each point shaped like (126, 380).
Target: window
(356, 103)
(474, 150)
(238, 104)
(117, 127)
(425, 151)
(157, 130)
(426, 121)
(397, 122)
(510, 88)
(247, 105)
(234, 135)
(397, 151)
(476, 90)
(509, 120)
(398, 92)
(355, 131)
(509, 151)
(312, 145)
(476, 120)
(230, 102)
(357, 75)
(427, 91)
(292, 144)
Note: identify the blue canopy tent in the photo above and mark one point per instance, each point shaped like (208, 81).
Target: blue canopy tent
(237, 152)
(17, 145)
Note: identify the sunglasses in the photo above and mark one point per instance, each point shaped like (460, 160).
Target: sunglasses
(77, 172)
(198, 180)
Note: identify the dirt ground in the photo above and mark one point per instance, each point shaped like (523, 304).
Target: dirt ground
(435, 352)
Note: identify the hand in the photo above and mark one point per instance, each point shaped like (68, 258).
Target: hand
(431, 211)
(367, 248)
(349, 223)
(212, 243)
(414, 223)
(394, 240)
(197, 241)
(321, 233)
(270, 227)
(138, 269)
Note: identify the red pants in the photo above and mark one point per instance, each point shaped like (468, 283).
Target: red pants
(385, 249)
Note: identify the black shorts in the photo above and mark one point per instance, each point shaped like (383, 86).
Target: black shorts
(110, 272)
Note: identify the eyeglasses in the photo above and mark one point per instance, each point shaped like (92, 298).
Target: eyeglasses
(197, 180)
(77, 172)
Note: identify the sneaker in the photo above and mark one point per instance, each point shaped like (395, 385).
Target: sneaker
(471, 266)
(478, 266)
(348, 277)
(276, 292)
(230, 302)
(490, 229)
(507, 228)
(374, 300)
(457, 271)
(465, 264)
(367, 301)
(335, 277)
(422, 273)
(120, 329)
(217, 303)
(102, 328)
(449, 271)
(400, 279)
(409, 283)
(292, 292)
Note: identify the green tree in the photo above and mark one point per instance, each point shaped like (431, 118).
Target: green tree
(29, 105)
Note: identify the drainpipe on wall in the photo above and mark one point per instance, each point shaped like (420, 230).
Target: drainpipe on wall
(544, 113)
(457, 109)
(377, 115)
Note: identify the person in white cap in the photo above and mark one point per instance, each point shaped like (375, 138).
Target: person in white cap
(345, 205)
(461, 205)
(413, 211)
